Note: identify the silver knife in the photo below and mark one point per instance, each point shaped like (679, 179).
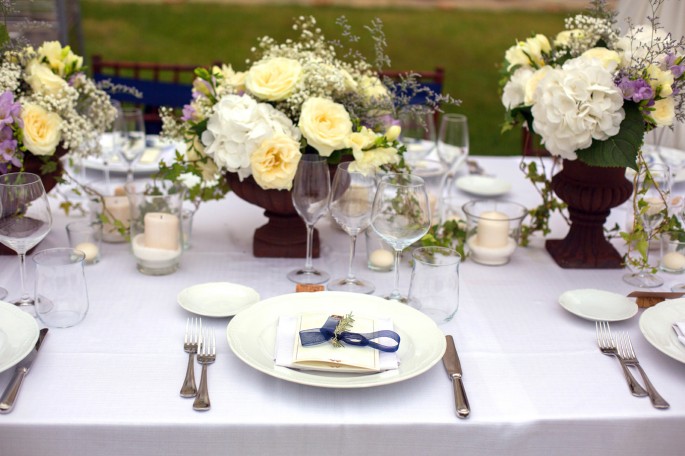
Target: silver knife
(9, 397)
(453, 367)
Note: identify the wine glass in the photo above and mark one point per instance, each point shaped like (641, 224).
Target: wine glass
(133, 145)
(350, 205)
(453, 149)
(654, 186)
(311, 189)
(114, 140)
(25, 219)
(417, 132)
(401, 216)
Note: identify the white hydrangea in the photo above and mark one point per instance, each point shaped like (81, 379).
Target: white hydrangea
(514, 91)
(576, 104)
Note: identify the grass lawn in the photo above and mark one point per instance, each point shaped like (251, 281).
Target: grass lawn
(469, 44)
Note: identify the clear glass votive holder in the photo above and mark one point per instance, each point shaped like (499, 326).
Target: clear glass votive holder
(110, 206)
(493, 230)
(434, 286)
(156, 234)
(86, 236)
(187, 226)
(672, 253)
(61, 294)
(380, 257)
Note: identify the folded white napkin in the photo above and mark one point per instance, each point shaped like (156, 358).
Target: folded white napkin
(288, 332)
(679, 327)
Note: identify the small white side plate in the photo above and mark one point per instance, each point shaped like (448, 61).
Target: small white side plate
(217, 299)
(483, 185)
(598, 305)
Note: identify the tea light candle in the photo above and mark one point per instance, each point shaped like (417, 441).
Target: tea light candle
(89, 249)
(162, 231)
(673, 261)
(493, 230)
(382, 259)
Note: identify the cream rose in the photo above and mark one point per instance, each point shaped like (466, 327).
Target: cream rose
(609, 59)
(42, 129)
(43, 80)
(274, 79)
(664, 112)
(274, 163)
(325, 124)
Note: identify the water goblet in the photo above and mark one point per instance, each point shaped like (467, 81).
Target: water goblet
(654, 186)
(133, 133)
(25, 219)
(350, 205)
(401, 216)
(418, 132)
(311, 189)
(453, 148)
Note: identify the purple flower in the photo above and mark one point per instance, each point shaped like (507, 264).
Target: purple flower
(636, 90)
(188, 113)
(677, 70)
(10, 111)
(8, 148)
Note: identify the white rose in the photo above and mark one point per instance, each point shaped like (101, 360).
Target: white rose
(576, 104)
(367, 162)
(664, 112)
(42, 129)
(661, 81)
(325, 124)
(514, 90)
(274, 163)
(42, 80)
(609, 59)
(273, 79)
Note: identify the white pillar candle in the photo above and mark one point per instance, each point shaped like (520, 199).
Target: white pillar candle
(89, 249)
(382, 259)
(162, 231)
(493, 230)
(116, 209)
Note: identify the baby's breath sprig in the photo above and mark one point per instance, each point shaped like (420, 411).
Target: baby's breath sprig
(345, 324)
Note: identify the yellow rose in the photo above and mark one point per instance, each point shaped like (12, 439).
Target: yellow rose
(664, 112)
(61, 59)
(658, 78)
(43, 80)
(325, 124)
(367, 162)
(42, 130)
(274, 79)
(274, 163)
(609, 59)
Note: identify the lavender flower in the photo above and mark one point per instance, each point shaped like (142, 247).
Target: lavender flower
(188, 113)
(10, 112)
(635, 90)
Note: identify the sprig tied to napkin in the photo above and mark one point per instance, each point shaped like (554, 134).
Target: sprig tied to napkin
(335, 330)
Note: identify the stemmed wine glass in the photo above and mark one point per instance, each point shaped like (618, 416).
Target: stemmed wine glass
(133, 144)
(114, 140)
(654, 186)
(453, 149)
(350, 205)
(311, 189)
(418, 132)
(401, 216)
(25, 219)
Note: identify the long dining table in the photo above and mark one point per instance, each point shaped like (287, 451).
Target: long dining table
(535, 378)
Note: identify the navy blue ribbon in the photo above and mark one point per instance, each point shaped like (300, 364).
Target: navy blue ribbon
(317, 336)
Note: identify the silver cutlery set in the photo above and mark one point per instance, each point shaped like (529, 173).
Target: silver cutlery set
(622, 348)
(202, 343)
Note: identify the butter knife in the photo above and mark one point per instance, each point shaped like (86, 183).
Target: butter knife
(9, 397)
(453, 367)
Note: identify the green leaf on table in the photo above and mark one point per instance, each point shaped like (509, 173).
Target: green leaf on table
(619, 150)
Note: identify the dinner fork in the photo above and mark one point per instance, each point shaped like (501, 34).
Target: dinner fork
(607, 345)
(191, 341)
(205, 356)
(625, 351)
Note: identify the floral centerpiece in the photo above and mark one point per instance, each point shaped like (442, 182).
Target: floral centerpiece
(48, 107)
(591, 94)
(294, 98)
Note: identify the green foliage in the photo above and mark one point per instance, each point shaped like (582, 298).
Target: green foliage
(451, 234)
(344, 324)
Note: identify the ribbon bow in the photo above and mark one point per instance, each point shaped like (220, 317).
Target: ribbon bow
(317, 336)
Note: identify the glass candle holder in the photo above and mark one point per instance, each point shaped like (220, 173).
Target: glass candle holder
(380, 256)
(86, 236)
(493, 230)
(156, 234)
(672, 253)
(110, 206)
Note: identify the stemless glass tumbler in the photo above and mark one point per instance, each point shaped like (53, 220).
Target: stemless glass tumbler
(434, 287)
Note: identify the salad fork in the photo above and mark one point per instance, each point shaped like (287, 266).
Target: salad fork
(607, 345)
(205, 356)
(191, 341)
(625, 351)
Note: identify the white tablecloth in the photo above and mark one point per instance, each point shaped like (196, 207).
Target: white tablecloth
(536, 381)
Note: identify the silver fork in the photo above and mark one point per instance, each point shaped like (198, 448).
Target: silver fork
(191, 341)
(607, 345)
(205, 356)
(625, 351)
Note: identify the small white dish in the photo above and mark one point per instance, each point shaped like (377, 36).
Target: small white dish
(598, 305)
(217, 299)
(656, 325)
(18, 335)
(483, 185)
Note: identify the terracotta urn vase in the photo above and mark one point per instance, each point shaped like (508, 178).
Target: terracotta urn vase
(590, 193)
(285, 234)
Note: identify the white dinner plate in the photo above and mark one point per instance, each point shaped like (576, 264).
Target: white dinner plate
(217, 299)
(154, 145)
(598, 305)
(252, 337)
(656, 325)
(18, 335)
(483, 185)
